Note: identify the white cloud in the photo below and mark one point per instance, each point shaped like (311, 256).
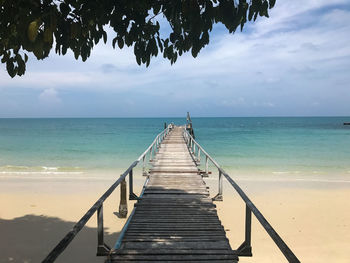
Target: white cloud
(50, 97)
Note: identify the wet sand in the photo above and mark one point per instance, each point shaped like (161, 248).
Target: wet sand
(311, 216)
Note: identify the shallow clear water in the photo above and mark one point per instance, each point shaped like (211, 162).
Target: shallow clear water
(244, 145)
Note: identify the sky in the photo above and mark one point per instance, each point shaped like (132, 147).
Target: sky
(295, 63)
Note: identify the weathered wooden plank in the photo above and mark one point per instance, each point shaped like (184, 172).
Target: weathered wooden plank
(176, 257)
(169, 236)
(176, 245)
(177, 233)
(167, 251)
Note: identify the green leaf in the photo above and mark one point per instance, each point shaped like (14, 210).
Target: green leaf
(114, 41)
(32, 31)
(138, 60)
(104, 34)
(76, 54)
(120, 43)
(250, 13)
(172, 37)
(10, 68)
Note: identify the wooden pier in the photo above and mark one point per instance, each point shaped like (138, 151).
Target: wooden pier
(175, 220)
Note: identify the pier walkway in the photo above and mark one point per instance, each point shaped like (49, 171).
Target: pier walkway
(175, 220)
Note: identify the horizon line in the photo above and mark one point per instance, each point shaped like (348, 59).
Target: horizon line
(182, 117)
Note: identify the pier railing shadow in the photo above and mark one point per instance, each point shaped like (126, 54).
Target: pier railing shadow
(245, 248)
(30, 238)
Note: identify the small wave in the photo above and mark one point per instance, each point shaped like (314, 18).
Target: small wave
(48, 172)
(17, 169)
(50, 168)
(323, 180)
(280, 172)
(286, 172)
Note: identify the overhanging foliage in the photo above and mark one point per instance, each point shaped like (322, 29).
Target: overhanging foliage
(38, 26)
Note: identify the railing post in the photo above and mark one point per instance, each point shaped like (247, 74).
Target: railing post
(199, 155)
(102, 248)
(123, 207)
(144, 165)
(248, 226)
(132, 195)
(246, 248)
(206, 165)
(219, 196)
(151, 154)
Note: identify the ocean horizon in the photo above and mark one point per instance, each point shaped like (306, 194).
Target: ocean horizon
(261, 146)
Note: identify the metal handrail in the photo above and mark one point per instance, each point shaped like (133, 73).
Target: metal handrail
(102, 248)
(245, 248)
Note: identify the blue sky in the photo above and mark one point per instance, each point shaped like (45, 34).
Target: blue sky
(296, 63)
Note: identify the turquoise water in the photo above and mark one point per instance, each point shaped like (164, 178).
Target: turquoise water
(244, 145)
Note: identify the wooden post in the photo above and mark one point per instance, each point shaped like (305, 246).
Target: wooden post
(219, 196)
(132, 195)
(123, 206)
(102, 248)
(246, 248)
(220, 184)
(144, 165)
(248, 226)
(206, 165)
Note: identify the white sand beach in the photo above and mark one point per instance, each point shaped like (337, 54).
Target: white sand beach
(312, 217)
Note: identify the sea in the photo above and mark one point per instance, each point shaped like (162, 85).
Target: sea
(243, 146)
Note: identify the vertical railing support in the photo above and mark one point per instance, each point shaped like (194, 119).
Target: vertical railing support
(206, 174)
(151, 154)
(246, 248)
(199, 155)
(144, 165)
(219, 196)
(206, 165)
(123, 207)
(102, 248)
(132, 195)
